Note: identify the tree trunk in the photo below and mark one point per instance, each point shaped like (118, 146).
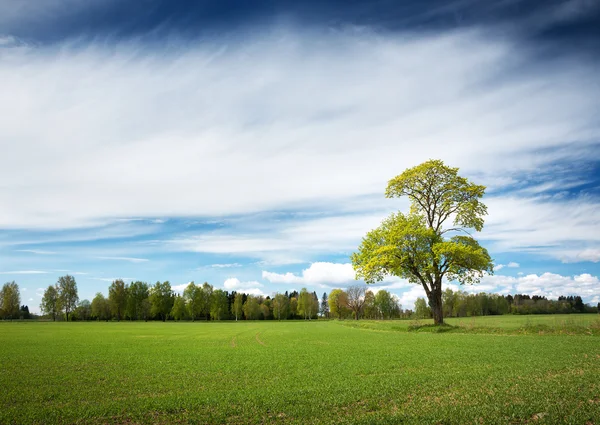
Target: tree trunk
(435, 302)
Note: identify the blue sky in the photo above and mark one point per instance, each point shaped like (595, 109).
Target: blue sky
(249, 143)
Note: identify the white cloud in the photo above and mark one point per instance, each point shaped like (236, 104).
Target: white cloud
(408, 96)
(320, 273)
(130, 259)
(179, 288)
(498, 267)
(234, 283)
(408, 298)
(225, 266)
(512, 264)
(251, 287)
(547, 284)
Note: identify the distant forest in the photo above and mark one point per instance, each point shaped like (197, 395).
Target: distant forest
(140, 301)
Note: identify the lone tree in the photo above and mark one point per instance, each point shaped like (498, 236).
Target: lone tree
(420, 246)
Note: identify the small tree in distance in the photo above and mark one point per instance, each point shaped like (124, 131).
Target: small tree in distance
(67, 292)
(356, 299)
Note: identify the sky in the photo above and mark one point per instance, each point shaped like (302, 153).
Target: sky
(248, 143)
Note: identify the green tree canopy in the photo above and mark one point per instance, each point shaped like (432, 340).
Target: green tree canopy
(161, 300)
(10, 300)
(117, 296)
(137, 294)
(67, 292)
(338, 303)
(51, 302)
(433, 240)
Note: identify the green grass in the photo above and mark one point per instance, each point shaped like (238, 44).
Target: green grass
(559, 324)
(297, 372)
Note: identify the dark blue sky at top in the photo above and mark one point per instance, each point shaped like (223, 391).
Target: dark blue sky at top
(579, 27)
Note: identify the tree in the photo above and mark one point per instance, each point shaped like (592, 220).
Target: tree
(416, 246)
(10, 300)
(219, 305)
(370, 310)
(161, 300)
(179, 309)
(324, 306)
(51, 302)
(252, 308)
(83, 310)
(384, 303)
(338, 302)
(281, 305)
(304, 304)
(356, 299)
(238, 304)
(205, 299)
(100, 307)
(137, 294)
(67, 292)
(422, 311)
(117, 296)
(191, 295)
(293, 307)
(25, 312)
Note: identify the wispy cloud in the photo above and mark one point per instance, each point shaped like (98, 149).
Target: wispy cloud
(225, 266)
(309, 144)
(112, 279)
(130, 259)
(36, 251)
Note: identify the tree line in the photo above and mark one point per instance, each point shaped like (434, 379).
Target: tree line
(463, 304)
(141, 301)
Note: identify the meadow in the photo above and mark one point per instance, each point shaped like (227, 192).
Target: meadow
(491, 370)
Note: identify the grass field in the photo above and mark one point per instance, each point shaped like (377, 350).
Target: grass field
(299, 372)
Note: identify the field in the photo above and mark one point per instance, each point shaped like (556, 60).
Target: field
(528, 369)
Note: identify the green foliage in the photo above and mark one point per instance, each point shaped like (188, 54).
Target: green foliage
(67, 293)
(219, 308)
(117, 297)
(100, 307)
(338, 303)
(137, 294)
(422, 310)
(191, 295)
(161, 300)
(308, 304)
(51, 302)
(256, 372)
(10, 300)
(252, 308)
(281, 306)
(414, 246)
(179, 310)
(238, 304)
